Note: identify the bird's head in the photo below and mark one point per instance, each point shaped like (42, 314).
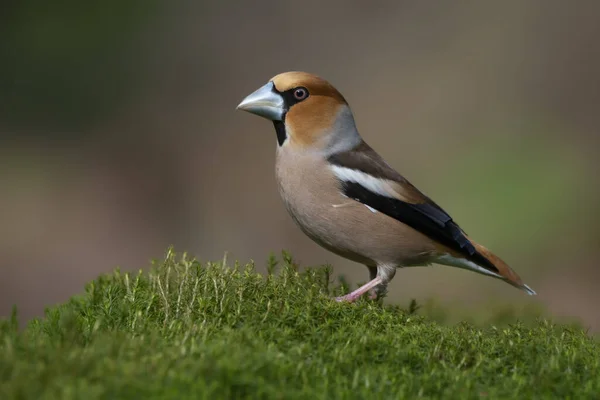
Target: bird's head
(307, 111)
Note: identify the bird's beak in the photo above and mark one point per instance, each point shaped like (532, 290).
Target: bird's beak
(265, 102)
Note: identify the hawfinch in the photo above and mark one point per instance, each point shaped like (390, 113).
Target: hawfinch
(345, 197)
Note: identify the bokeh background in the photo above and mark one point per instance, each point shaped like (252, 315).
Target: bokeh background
(119, 136)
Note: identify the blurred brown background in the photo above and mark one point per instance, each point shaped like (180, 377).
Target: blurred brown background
(119, 136)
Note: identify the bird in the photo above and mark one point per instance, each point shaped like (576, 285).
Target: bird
(345, 197)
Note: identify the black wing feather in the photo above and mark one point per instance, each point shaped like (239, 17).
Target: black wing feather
(427, 218)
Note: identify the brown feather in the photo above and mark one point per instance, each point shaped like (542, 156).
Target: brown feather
(316, 85)
(305, 126)
(503, 269)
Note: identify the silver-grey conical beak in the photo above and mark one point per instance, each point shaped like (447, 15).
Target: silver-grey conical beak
(265, 102)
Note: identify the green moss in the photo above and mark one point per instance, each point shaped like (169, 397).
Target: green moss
(187, 330)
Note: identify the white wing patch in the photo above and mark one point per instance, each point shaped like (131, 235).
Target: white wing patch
(351, 204)
(371, 209)
(342, 205)
(380, 186)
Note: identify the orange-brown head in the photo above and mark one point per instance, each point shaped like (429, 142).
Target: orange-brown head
(307, 111)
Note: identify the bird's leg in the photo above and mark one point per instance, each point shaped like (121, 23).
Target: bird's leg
(372, 275)
(386, 273)
(351, 297)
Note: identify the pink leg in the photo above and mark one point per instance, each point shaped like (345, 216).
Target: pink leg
(351, 297)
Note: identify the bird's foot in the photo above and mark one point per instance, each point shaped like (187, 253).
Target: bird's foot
(349, 298)
(353, 296)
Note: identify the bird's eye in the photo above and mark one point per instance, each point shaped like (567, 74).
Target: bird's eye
(300, 93)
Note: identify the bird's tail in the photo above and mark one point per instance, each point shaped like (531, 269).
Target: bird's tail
(505, 272)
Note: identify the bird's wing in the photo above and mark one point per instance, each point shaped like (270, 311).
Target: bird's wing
(365, 177)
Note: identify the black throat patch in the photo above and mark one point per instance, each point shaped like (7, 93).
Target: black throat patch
(280, 131)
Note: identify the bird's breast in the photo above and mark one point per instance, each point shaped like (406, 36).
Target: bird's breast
(306, 185)
(309, 191)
